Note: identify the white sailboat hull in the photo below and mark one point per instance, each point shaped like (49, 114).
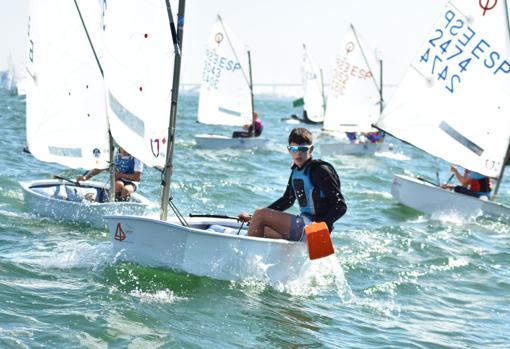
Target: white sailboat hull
(208, 141)
(354, 148)
(432, 199)
(42, 198)
(194, 250)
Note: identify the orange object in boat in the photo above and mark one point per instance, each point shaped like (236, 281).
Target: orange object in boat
(319, 240)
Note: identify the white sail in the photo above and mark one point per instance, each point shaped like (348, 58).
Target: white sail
(354, 98)
(10, 77)
(313, 88)
(66, 117)
(138, 65)
(225, 96)
(454, 100)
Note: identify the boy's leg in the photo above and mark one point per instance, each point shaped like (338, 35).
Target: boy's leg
(119, 185)
(463, 190)
(270, 223)
(127, 191)
(240, 134)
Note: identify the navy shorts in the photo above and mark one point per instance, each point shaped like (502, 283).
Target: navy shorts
(297, 227)
(128, 183)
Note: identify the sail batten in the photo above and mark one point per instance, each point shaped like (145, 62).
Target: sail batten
(453, 102)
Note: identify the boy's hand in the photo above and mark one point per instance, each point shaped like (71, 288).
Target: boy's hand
(244, 217)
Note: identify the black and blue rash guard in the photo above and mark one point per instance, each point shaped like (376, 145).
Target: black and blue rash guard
(316, 186)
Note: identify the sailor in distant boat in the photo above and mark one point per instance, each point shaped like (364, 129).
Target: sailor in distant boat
(128, 173)
(313, 183)
(472, 184)
(304, 119)
(375, 137)
(252, 130)
(365, 137)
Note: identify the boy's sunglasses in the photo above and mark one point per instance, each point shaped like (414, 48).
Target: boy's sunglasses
(301, 148)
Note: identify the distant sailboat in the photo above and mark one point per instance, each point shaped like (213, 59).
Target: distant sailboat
(355, 96)
(453, 103)
(226, 91)
(314, 100)
(9, 77)
(66, 117)
(313, 89)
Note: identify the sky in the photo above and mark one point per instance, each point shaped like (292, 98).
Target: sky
(274, 31)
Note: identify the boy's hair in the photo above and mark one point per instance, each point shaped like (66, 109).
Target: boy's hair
(300, 135)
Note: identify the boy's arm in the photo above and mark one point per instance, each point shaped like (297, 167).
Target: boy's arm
(89, 174)
(135, 177)
(326, 182)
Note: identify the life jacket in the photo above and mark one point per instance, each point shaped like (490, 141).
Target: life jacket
(479, 185)
(351, 136)
(125, 164)
(303, 188)
(375, 137)
(258, 127)
(308, 195)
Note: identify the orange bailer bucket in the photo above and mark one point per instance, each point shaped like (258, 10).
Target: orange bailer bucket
(319, 241)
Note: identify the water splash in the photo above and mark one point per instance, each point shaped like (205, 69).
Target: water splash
(68, 255)
(393, 155)
(317, 277)
(161, 296)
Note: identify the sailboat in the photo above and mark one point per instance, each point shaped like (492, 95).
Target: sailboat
(355, 97)
(226, 91)
(453, 104)
(8, 78)
(314, 100)
(216, 247)
(66, 116)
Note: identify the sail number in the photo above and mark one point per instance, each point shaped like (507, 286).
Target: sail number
(455, 47)
(345, 71)
(215, 65)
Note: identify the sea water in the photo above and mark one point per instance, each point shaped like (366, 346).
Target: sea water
(398, 279)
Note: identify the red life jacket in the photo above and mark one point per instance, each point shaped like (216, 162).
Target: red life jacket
(479, 185)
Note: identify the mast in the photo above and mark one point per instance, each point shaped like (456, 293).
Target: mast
(500, 177)
(246, 78)
(323, 94)
(381, 100)
(365, 57)
(110, 138)
(177, 40)
(250, 83)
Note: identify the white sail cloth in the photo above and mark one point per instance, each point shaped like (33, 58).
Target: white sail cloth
(225, 94)
(313, 88)
(138, 64)
(66, 117)
(354, 97)
(454, 101)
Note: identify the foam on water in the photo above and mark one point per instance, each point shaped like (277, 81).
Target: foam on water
(454, 217)
(393, 155)
(68, 254)
(161, 296)
(453, 263)
(384, 194)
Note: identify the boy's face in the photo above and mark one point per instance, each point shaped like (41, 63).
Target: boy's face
(300, 153)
